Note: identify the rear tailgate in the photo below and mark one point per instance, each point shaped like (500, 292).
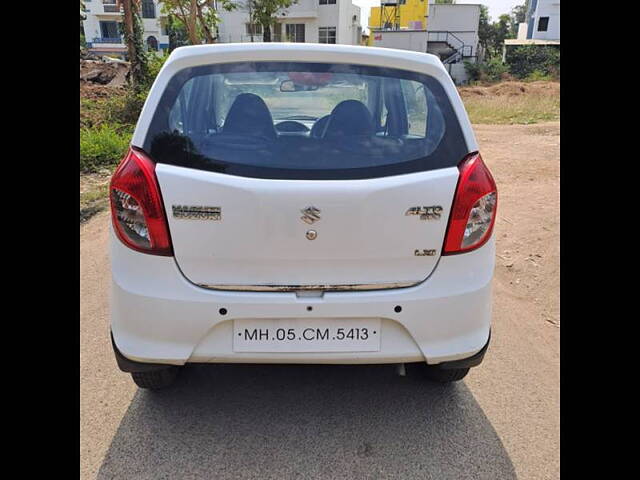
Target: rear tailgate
(366, 232)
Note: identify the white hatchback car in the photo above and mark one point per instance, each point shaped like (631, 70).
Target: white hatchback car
(297, 203)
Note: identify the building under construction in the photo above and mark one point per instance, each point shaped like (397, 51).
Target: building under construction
(399, 14)
(449, 31)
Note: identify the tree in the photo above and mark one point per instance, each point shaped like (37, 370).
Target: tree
(491, 35)
(177, 33)
(264, 13)
(199, 18)
(501, 30)
(518, 16)
(139, 70)
(485, 31)
(519, 12)
(83, 16)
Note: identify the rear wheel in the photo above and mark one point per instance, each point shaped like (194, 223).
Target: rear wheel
(439, 375)
(155, 379)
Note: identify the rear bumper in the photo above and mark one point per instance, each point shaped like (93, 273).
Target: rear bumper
(472, 361)
(159, 317)
(127, 365)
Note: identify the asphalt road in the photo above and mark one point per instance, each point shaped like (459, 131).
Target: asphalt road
(501, 422)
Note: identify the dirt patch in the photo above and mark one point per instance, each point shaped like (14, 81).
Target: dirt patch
(528, 225)
(512, 89)
(545, 130)
(98, 92)
(94, 189)
(99, 72)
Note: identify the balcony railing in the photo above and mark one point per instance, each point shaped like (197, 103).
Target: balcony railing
(107, 40)
(225, 38)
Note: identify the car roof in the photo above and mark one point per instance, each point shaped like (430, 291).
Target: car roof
(198, 50)
(309, 52)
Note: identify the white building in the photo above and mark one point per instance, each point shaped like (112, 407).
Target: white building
(103, 28)
(455, 25)
(310, 21)
(543, 20)
(451, 34)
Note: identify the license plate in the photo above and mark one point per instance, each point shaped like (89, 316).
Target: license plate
(307, 335)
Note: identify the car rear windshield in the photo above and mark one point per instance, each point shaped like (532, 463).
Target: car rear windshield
(293, 120)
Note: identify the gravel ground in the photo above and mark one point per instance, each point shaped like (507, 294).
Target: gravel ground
(243, 421)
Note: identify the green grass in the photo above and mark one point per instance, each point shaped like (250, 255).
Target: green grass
(522, 109)
(106, 126)
(94, 195)
(102, 146)
(90, 112)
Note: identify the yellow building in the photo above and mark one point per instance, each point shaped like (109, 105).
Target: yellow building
(411, 14)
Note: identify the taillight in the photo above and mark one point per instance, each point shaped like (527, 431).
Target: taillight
(136, 206)
(474, 207)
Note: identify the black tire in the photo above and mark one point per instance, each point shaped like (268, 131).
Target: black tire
(155, 379)
(439, 375)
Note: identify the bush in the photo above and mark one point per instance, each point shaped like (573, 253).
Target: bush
(524, 61)
(91, 113)
(106, 124)
(155, 63)
(489, 72)
(102, 146)
(124, 109)
(538, 75)
(473, 70)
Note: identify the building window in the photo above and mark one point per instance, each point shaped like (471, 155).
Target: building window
(327, 2)
(327, 35)
(254, 29)
(295, 32)
(543, 24)
(276, 32)
(152, 43)
(110, 6)
(148, 9)
(110, 30)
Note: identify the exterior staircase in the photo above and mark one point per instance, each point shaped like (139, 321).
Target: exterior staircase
(450, 48)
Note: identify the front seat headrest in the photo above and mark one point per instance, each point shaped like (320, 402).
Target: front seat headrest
(249, 115)
(350, 117)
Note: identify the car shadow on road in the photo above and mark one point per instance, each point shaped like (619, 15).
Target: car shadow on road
(293, 421)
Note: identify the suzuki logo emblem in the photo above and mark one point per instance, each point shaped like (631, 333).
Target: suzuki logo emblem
(310, 215)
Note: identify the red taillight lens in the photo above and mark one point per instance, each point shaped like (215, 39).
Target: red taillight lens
(136, 206)
(474, 207)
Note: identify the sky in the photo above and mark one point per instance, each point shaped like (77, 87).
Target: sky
(496, 7)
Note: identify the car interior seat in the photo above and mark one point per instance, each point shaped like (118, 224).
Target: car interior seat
(250, 116)
(349, 118)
